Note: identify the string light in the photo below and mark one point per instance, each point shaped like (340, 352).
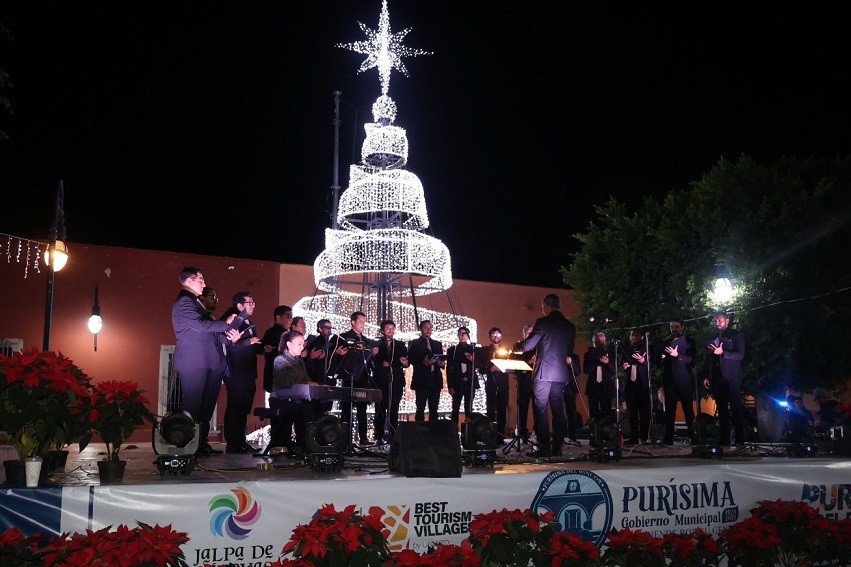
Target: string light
(31, 261)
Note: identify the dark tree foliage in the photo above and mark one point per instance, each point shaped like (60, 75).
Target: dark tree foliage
(781, 231)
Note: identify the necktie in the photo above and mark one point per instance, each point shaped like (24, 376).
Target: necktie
(599, 374)
(633, 373)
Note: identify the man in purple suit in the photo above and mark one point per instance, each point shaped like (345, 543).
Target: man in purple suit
(553, 335)
(199, 357)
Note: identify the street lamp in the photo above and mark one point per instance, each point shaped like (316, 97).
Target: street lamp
(56, 256)
(722, 289)
(95, 323)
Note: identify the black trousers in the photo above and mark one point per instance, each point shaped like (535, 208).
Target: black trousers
(551, 393)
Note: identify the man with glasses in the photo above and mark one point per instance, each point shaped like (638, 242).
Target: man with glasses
(496, 385)
(209, 299)
(241, 381)
(198, 356)
(318, 358)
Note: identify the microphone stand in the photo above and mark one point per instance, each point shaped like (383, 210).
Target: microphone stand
(617, 343)
(652, 433)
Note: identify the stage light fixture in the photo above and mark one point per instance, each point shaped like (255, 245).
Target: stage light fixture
(479, 438)
(707, 435)
(175, 440)
(479, 434)
(326, 442)
(607, 435)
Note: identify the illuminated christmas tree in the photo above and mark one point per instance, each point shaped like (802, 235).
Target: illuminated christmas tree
(378, 260)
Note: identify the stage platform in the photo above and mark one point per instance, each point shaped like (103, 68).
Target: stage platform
(241, 507)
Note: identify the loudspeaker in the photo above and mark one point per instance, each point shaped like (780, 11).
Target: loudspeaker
(426, 448)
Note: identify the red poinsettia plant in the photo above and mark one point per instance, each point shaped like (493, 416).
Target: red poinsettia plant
(117, 409)
(633, 548)
(786, 533)
(142, 546)
(338, 539)
(524, 537)
(43, 401)
(691, 549)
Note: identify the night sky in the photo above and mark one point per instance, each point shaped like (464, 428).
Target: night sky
(207, 127)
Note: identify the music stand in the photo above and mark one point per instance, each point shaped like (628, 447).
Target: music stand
(509, 366)
(354, 364)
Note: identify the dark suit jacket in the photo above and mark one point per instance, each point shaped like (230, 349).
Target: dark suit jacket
(553, 336)
(455, 378)
(728, 362)
(591, 363)
(642, 374)
(677, 369)
(392, 354)
(196, 333)
(424, 377)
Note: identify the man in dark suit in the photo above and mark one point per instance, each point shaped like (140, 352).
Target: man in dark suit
(599, 365)
(199, 356)
(723, 376)
(241, 381)
(461, 379)
(677, 379)
(427, 379)
(355, 368)
(390, 363)
(636, 364)
(553, 336)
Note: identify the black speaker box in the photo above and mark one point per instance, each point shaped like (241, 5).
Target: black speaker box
(426, 448)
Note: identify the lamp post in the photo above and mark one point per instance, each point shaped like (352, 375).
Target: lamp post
(95, 322)
(722, 288)
(56, 256)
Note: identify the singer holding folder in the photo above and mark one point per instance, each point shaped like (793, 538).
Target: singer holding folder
(723, 376)
(241, 380)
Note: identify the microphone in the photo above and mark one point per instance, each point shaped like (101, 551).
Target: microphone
(592, 318)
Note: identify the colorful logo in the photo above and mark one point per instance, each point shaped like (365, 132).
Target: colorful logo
(396, 520)
(232, 512)
(581, 502)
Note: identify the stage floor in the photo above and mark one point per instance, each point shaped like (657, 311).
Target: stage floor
(371, 462)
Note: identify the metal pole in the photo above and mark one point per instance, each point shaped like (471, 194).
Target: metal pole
(57, 231)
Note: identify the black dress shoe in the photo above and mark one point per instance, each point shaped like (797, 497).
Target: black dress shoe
(207, 447)
(202, 452)
(556, 452)
(248, 448)
(240, 449)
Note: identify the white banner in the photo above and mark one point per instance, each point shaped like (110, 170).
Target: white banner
(248, 522)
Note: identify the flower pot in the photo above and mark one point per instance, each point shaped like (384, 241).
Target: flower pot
(15, 471)
(110, 471)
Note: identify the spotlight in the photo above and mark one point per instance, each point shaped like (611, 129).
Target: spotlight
(326, 442)
(175, 440)
(707, 435)
(479, 438)
(606, 434)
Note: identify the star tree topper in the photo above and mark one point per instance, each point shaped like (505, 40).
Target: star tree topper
(383, 49)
